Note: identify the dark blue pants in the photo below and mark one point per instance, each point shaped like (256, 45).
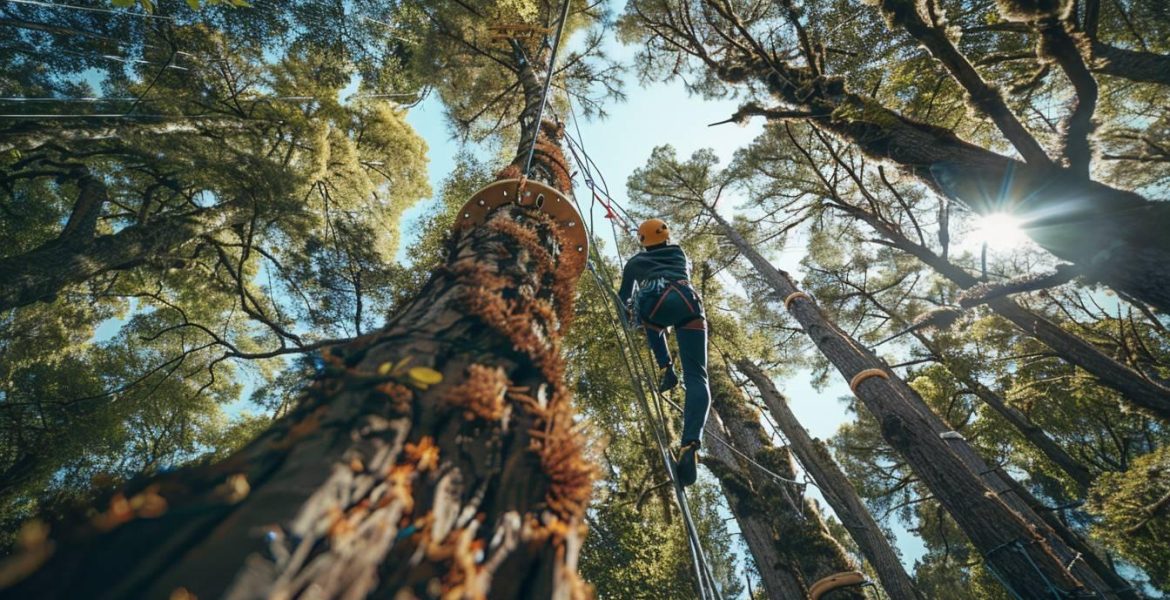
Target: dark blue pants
(679, 306)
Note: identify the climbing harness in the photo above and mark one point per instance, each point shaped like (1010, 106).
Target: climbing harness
(639, 373)
(636, 369)
(641, 378)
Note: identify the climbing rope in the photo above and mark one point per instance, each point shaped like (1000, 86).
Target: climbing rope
(621, 217)
(639, 375)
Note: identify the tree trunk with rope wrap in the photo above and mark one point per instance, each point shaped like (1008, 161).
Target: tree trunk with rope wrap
(835, 487)
(1027, 555)
(788, 540)
(425, 459)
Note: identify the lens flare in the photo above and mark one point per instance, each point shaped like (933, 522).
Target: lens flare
(1000, 231)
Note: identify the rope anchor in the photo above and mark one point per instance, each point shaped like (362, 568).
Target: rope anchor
(866, 374)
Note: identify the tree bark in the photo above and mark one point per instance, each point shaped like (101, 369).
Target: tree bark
(779, 582)
(835, 487)
(1116, 235)
(83, 219)
(31, 135)
(789, 542)
(1028, 557)
(42, 273)
(934, 37)
(1039, 438)
(384, 480)
(1134, 65)
(1150, 396)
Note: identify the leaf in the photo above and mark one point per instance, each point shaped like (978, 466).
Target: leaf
(194, 4)
(401, 364)
(424, 376)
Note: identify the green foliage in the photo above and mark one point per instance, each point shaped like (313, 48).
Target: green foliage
(148, 5)
(296, 192)
(1133, 510)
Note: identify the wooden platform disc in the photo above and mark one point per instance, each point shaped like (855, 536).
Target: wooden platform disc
(535, 194)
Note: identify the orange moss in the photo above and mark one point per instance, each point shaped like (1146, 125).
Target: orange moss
(532, 322)
(463, 581)
(527, 238)
(424, 454)
(511, 171)
(400, 479)
(481, 394)
(302, 428)
(400, 396)
(562, 457)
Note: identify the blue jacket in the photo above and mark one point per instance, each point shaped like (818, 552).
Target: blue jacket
(665, 261)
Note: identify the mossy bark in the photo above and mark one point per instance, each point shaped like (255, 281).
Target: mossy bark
(435, 458)
(790, 544)
(836, 489)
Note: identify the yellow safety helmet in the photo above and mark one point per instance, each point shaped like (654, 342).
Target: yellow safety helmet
(653, 232)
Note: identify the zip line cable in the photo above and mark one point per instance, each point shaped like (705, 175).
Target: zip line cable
(552, 63)
(636, 372)
(575, 144)
(702, 573)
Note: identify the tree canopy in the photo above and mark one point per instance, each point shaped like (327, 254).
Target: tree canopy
(204, 206)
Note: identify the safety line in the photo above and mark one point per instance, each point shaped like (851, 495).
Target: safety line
(587, 172)
(705, 579)
(636, 369)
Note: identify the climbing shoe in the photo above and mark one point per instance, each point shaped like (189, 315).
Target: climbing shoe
(687, 463)
(668, 381)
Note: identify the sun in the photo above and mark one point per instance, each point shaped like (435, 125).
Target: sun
(1000, 231)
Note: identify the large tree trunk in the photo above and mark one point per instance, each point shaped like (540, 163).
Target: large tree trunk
(754, 522)
(1135, 65)
(1117, 236)
(1028, 556)
(31, 135)
(788, 540)
(426, 459)
(41, 273)
(835, 487)
(1036, 435)
(429, 457)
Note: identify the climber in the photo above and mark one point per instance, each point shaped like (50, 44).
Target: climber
(666, 299)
